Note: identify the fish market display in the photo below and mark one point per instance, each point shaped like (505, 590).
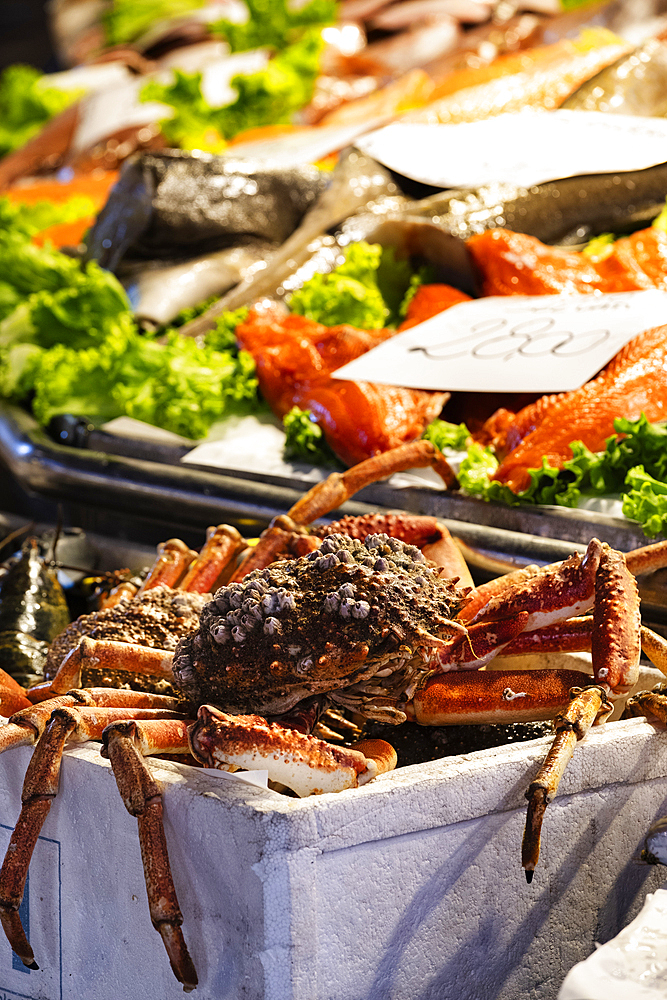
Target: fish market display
(347, 625)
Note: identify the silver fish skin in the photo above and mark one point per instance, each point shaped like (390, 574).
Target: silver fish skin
(356, 181)
(158, 292)
(635, 84)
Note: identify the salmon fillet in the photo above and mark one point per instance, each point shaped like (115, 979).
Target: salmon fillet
(634, 382)
(294, 357)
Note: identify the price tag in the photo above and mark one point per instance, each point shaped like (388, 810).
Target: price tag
(523, 149)
(536, 343)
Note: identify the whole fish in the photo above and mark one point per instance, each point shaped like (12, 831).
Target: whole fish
(33, 611)
(636, 84)
(356, 180)
(566, 212)
(175, 203)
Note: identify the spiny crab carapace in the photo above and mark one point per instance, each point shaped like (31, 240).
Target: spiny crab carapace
(364, 624)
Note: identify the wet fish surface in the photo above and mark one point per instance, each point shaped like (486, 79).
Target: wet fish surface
(175, 203)
(565, 212)
(636, 84)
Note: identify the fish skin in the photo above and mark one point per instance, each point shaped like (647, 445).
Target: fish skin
(174, 202)
(636, 84)
(159, 292)
(544, 87)
(567, 211)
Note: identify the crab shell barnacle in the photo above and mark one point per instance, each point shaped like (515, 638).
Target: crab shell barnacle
(328, 620)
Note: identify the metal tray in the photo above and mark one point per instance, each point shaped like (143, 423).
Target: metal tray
(125, 485)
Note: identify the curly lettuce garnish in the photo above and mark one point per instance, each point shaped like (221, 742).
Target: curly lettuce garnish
(270, 96)
(633, 465)
(27, 102)
(367, 290)
(304, 439)
(274, 23)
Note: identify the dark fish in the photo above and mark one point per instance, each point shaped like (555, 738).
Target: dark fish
(565, 212)
(356, 181)
(33, 611)
(177, 204)
(636, 84)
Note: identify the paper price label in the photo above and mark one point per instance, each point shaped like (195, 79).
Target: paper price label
(546, 343)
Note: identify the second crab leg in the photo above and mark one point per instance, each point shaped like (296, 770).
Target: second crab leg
(616, 650)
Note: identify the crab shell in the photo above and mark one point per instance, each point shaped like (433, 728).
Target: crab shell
(328, 620)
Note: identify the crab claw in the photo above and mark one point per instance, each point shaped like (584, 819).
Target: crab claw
(305, 764)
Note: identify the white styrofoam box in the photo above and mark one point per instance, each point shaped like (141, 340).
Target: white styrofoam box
(409, 888)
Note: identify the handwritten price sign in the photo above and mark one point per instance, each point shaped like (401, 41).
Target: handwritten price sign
(548, 343)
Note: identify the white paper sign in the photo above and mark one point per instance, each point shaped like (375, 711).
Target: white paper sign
(527, 148)
(531, 343)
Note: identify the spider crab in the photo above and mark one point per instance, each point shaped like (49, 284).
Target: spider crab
(305, 624)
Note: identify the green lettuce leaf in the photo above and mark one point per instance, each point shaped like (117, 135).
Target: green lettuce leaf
(270, 96)
(274, 23)
(125, 20)
(366, 290)
(27, 102)
(179, 386)
(646, 501)
(445, 435)
(304, 439)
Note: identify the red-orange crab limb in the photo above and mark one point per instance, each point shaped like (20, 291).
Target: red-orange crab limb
(279, 537)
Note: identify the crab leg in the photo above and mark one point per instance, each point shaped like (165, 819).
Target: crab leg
(338, 488)
(493, 697)
(616, 649)
(39, 789)
(222, 544)
(173, 559)
(585, 707)
(305, 764)
(126, 744)
(104, 654)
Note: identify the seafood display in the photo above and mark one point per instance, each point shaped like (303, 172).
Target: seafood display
(347, 619)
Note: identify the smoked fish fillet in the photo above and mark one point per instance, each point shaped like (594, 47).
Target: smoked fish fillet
(515, 264)
(634, 382)
(294, 357)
